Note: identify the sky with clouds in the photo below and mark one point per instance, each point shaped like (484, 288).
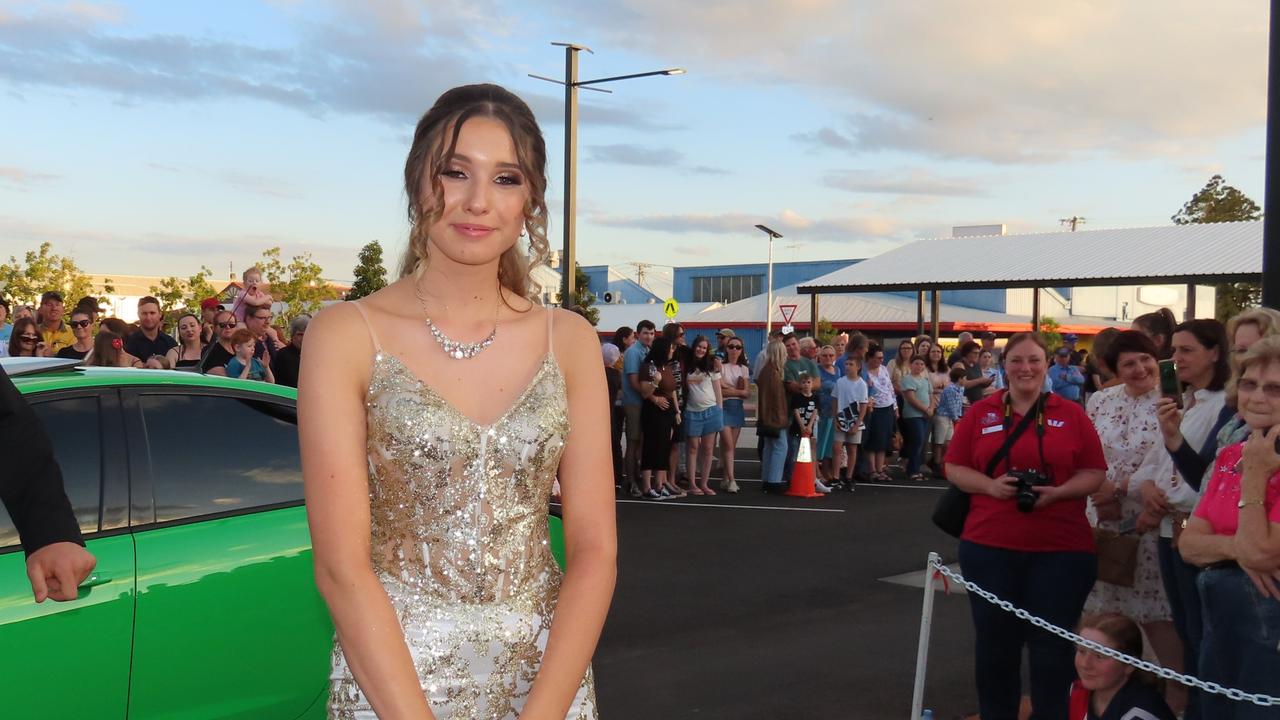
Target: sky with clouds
(155, 137)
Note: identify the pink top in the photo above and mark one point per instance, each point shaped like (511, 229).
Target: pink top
(1218, 505)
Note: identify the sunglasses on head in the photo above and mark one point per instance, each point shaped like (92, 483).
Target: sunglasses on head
(80, 323)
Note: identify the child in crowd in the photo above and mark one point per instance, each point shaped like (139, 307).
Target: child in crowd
(804, 416)
(244, 365)
(849, 408)
(1108, 688)
(254, 298)
(950, 408)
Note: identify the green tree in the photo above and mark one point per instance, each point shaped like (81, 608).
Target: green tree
(1219, 202)
(178, 296)
(583, 298)
(1049, 330)
(23, 281)
(826, 332)
(370, 275)
(300, 285)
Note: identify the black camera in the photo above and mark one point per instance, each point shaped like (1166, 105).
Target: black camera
(1028, 479)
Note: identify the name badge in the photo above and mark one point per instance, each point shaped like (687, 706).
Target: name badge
(992, 429)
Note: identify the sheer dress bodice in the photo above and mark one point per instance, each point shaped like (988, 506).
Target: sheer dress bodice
(459, 510)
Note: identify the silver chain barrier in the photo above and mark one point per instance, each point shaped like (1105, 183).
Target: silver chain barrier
(1166, 673)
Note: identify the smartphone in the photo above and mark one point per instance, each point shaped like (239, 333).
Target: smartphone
(1169, 385)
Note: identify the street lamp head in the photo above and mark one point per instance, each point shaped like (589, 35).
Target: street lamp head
(674, 71)
(771, 233)
(574, 46)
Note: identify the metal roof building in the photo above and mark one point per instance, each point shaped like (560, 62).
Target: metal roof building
(1191, 254)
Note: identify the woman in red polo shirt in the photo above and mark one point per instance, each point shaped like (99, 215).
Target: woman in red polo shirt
(1039, 556)
(1235, 535)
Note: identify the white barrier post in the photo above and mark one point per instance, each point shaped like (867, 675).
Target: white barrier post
(922, 652)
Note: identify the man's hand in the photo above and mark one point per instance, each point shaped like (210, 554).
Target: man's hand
(661, 402)
(56, 570)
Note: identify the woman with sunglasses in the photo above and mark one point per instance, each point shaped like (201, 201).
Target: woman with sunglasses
(82, 329)
(187, 353)
(218, 354)
(735, 386)
(25, 340)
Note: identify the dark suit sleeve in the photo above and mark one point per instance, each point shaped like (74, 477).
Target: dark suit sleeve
(31, 481)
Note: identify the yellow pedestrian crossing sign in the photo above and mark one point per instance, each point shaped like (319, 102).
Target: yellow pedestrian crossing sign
(671, 308)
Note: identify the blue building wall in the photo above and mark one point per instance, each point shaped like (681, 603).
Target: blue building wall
(630, 291)
(784, 274)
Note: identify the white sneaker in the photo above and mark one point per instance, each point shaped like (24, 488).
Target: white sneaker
(821, 487)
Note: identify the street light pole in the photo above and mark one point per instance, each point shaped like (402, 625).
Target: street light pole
(768, 310)
(568, 256)
(568, 268)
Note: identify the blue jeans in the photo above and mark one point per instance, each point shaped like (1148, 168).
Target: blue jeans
(1184, 603)
(1241, 643)
(1050, 585)
(774, 457)
(913, 430)
(793, 447)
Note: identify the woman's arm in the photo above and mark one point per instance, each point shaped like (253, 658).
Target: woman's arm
(173, 355)
(1258, 539)
(719, 394)
(977, 483)
(1198, 544)
(332, 433)
(1083, 484)
(269, 377)
(590, 530)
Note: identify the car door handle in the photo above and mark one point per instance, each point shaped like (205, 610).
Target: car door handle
(95, 580)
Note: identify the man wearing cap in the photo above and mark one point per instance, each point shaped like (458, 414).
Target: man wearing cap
(1067, 379)
(209, 309)
(1077, 357)
(53, 330)
(722, 339)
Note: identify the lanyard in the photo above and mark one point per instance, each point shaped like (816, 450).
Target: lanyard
(1039, 409)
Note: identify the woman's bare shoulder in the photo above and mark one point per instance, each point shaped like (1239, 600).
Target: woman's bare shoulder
(576, 344)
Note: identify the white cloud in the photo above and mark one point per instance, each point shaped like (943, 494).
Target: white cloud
(785, 222)
(1005, 81)
(919, 181)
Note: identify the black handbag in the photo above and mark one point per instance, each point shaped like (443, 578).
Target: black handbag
(953, 507)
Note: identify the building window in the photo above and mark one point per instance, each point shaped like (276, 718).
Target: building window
(729, 288)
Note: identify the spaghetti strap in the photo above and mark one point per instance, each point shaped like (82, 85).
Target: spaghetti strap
(377, 347)
(551, 313)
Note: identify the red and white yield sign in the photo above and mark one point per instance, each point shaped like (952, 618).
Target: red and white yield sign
(788, 312)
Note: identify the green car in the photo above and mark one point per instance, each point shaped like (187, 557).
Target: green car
(188, 489)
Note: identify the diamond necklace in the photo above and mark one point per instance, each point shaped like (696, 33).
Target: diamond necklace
(453, 348)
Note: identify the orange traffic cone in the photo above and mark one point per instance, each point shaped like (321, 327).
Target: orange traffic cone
(802, 476)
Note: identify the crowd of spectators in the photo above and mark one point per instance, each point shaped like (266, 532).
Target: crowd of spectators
(234, 342)
(1060, 450)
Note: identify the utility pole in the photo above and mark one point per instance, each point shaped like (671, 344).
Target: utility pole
(1072, 222)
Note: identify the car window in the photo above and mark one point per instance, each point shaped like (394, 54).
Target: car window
(213, 454)
(73, 426)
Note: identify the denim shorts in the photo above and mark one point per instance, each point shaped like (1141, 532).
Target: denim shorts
(734, 414)
(703, 422)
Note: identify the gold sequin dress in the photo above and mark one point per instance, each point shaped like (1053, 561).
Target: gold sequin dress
(459, 534)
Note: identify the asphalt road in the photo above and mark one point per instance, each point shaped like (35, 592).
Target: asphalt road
(755, 606)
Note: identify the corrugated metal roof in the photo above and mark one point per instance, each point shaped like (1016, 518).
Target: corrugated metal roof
(864, 309)
(1219, 252)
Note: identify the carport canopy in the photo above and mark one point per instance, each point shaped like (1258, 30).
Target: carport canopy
(1209, 253)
